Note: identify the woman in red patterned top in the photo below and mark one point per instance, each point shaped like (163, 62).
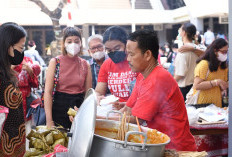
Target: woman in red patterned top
(27, 74)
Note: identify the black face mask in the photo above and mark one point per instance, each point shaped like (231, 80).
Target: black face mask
(18, 57)
(117, 56)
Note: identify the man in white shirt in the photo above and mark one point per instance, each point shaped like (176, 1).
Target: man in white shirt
(209, 37)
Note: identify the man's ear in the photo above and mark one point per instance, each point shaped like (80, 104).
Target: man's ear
(148, 55)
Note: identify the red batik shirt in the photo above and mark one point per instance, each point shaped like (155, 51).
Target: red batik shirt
(26, 82)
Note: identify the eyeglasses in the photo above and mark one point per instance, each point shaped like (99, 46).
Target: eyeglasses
(98, 47)
(223, 51)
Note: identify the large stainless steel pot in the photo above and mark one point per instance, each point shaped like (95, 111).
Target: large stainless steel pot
(107, 147)
(83, 142)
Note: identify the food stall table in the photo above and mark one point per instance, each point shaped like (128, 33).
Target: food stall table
(212, 138)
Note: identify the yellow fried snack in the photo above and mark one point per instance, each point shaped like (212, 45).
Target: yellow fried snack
(72, 112)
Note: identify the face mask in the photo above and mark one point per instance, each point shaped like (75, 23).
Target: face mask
(179, 37)
(73, 48)
(18, 57)
(98, 55)
(222, 57)
(117, 56)
(167, 49)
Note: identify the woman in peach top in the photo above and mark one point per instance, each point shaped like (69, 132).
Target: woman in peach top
(74, 80)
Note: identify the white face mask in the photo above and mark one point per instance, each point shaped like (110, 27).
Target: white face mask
(73, 48)
(222, 57)
(98, 55)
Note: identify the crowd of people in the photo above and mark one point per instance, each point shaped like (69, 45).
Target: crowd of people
(198, 59)
(151, 81)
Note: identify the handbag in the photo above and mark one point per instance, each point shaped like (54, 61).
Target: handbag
(37, 105)
(191, 97)
(30, 99)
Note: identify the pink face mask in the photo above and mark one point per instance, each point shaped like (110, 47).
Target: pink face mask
(222, 57)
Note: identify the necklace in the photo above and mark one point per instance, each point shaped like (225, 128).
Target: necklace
(150, 69)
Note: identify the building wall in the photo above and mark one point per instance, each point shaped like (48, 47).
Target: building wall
(43, 35)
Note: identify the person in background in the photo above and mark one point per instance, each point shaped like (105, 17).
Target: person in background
(208, 37)
(75, 79)
(214, 62)
(163, 56)
(33, 53)
(221, 35)
(171, 67)
(199, 50)
(97, 52)
(168, 51)
(115, 72)
(185, 62)
(156, 98)
(12, 42)
(170, 57)
(198, 41)
(27, 74)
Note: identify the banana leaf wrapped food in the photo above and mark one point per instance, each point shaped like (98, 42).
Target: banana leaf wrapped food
(72, 112)
(38, 144)
(57, 135)
(34, 152)
(43, 140)
(49, 138)
(59, 141)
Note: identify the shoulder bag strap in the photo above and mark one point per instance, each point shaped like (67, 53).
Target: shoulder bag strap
(56, 79)
(56, 76)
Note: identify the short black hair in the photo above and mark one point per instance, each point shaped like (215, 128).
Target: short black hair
(115, 33)
(147, 40)
(71, 31)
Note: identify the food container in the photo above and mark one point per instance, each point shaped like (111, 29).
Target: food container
(108, 147)
(83, 142)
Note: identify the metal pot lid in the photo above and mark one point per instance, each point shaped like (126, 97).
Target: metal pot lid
(83, 127)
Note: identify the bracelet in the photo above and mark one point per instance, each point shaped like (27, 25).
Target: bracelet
(211, 83)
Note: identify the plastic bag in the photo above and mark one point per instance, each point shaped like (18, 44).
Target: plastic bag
(193, 114)
(23, 78)
(106, 105)
(191, 97)
(3, 115)
(213, 113)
